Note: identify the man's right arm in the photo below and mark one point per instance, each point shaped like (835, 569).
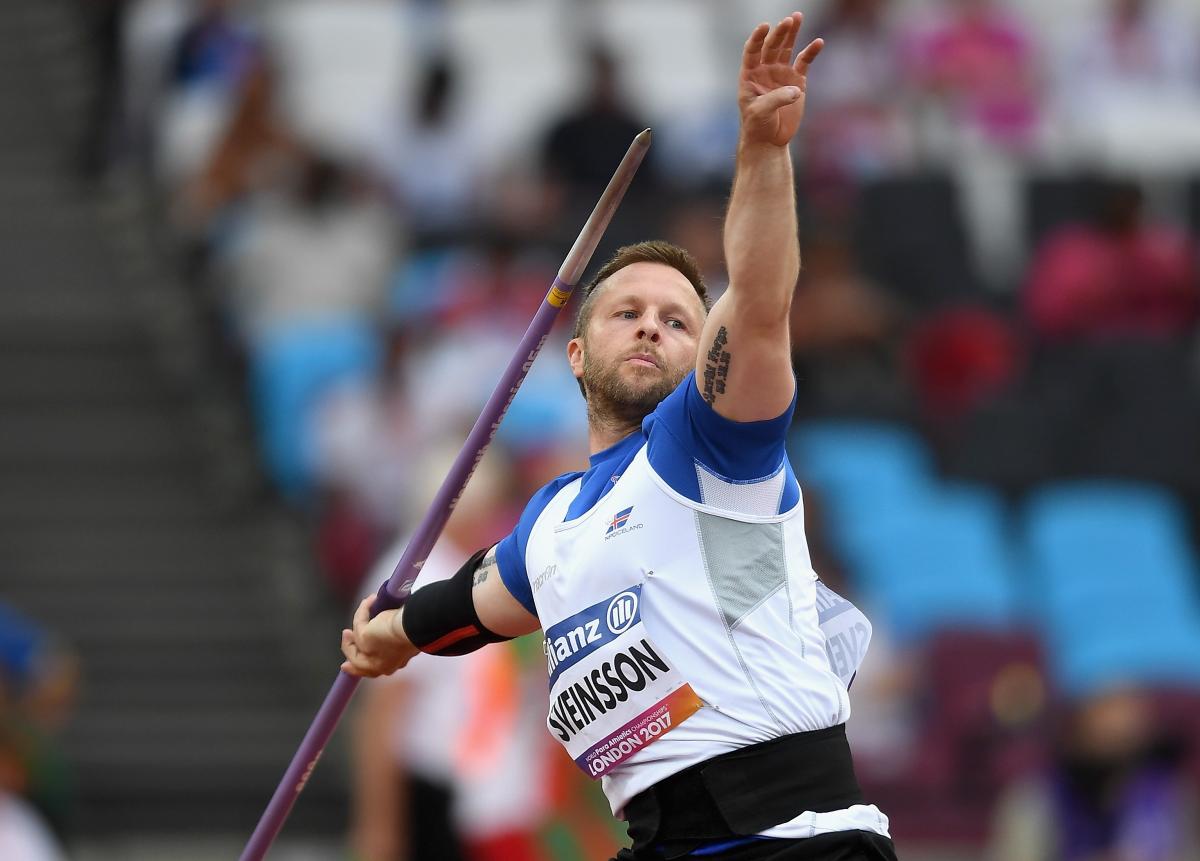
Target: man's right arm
(497, 608)
(452, 616)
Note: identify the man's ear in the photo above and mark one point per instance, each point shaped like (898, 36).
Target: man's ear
(575, 356)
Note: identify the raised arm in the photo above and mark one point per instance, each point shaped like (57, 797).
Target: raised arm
(450, 617)
(744, 368)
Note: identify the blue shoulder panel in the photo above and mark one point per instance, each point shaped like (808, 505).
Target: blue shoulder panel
(684, 430)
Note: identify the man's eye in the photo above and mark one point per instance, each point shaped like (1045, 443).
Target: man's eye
(628, 315)
(677, 324)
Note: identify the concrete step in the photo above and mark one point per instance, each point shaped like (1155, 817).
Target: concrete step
(100, 435)
(188, 738)
(140, 694)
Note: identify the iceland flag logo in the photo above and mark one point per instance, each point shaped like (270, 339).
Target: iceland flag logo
(619, 520)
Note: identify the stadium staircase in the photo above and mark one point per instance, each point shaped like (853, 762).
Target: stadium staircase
(133, 522)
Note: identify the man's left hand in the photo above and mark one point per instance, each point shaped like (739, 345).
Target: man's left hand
(771, 86)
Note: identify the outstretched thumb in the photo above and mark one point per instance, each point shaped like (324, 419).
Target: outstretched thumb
(768, 103)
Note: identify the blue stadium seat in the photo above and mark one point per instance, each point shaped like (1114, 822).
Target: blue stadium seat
(1115, 579)
(849, 461)
(291, 368)
(865, 473)
(939, 561)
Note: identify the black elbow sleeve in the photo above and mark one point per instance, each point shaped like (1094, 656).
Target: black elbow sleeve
(440, 618)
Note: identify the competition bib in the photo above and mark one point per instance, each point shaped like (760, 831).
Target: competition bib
(612, 691)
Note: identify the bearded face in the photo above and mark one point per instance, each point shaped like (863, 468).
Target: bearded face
(626, 390)
(639, 343)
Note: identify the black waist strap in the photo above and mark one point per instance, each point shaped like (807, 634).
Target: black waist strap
(745, 791)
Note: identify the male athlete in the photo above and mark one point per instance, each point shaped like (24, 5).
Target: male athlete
(683, 621)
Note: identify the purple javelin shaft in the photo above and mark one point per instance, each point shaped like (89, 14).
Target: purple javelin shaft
(395, 591)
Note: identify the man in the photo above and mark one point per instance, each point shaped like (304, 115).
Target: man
(681, 614)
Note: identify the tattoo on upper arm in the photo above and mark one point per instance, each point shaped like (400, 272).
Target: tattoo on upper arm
(481, 573)
(716, 367)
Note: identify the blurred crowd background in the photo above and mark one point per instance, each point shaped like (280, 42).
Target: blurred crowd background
(265, 260)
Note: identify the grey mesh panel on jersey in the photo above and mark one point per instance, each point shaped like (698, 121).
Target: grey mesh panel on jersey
(747, 567)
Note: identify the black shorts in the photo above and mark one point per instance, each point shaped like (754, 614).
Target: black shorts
(836, 846)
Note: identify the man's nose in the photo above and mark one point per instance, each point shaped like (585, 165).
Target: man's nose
(649, 329)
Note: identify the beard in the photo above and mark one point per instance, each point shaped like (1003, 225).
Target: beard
(616, 400)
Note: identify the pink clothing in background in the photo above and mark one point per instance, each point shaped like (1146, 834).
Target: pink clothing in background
(981, 62)
(1084, 282)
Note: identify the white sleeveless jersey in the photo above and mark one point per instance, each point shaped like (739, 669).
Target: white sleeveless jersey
(682, 615)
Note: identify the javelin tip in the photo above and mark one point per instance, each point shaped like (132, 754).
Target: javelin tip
(643, 138)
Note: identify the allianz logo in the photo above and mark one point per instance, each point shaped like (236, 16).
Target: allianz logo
(621, 614)
(622, 610)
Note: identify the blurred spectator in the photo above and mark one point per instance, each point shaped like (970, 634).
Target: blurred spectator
(216, 49)
(1129, 84)
(23, 836)
(252, 153)
(466, 309)
(318, 247)
(961, 357)
(492, 281)
(854, 128)
(1117, 276)
(973, 68)
(581, 149)
(695, 223)
(38, 686)
(452, 761)
(1115, 792)
(432, 160)
(844, 336)
(207, 66)
(977, 63)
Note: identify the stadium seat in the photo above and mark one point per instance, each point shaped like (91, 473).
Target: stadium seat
(937, 561)
(1192, 204)
(291, 368)
(865, 473)
(911, 238)
(1122, 409)
(1116, 581)
(849, 460)
(987, 702)
(1053, 202)
(1005, 442)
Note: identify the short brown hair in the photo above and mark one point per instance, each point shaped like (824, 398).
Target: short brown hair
(651, 251)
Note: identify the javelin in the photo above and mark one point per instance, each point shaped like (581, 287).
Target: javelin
(395, 591)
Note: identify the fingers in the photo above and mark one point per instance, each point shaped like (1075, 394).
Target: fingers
(805, 57)
(363, 614)
(350, 650)
(752, 53)
(769, 45)
(359, 662)
(789, 42)
(773, 46)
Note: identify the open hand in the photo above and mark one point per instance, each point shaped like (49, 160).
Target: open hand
(771, 87)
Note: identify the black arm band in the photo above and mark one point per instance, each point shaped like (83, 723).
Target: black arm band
(440, 618)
